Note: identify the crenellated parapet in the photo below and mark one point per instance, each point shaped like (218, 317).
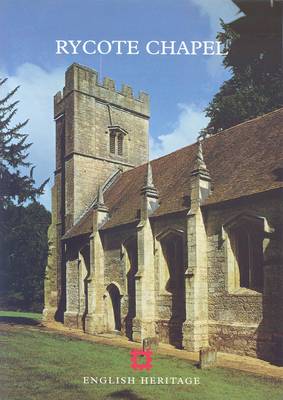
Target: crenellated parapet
(85, 80)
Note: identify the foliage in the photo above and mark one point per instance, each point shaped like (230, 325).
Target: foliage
(251, 91)
(14, 184)
(24, 250)
(246, 95)
(23, 230)
(227, 37)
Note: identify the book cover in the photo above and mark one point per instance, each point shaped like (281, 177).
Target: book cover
(141, 199)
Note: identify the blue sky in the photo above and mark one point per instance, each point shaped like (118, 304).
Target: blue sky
(180, 87)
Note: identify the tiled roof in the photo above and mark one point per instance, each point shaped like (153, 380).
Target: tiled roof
(242, 160)
(82, 227)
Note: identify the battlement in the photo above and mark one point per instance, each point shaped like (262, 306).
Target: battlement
(85, 80)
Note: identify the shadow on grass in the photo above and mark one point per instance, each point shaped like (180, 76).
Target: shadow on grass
(124, 395)
(18, 320)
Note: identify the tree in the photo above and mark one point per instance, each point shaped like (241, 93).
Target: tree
(255, 88)
(14, 184)
(255, 34)
(248, 94)
(23, 256)
(23, 229)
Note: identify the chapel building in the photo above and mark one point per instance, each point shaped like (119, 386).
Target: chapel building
(186, 248)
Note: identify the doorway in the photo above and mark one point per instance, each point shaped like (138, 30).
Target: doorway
(112, 300)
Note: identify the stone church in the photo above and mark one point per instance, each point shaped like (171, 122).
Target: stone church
(186, 248)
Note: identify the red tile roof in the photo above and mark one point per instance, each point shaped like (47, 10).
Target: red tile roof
(242, 160)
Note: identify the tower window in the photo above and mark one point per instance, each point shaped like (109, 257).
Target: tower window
(112, 142)
(120, 144)
(116, 140)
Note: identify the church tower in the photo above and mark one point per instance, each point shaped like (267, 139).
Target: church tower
(99, 130)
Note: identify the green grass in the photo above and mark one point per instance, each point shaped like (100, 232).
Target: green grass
(20, 314)
(42, 365)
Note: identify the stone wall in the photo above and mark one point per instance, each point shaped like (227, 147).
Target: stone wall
(116, 269)
(245, 321)
(117, 245)
(73, 284)
(167, 227)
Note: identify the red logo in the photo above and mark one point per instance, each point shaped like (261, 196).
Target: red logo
(137, 355)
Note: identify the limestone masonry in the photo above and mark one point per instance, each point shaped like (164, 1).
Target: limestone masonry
(186, 249)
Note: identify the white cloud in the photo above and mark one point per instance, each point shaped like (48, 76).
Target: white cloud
(216, 9)
(190, 121)
(37, 88)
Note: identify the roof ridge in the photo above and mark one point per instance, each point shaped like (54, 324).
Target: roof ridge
(221, 132)
(245, 122)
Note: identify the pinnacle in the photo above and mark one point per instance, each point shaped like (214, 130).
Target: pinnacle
(99, 204)
(199, 167)
(149, 189)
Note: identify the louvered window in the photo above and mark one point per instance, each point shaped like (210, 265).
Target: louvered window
(112, 142)
(120, 144)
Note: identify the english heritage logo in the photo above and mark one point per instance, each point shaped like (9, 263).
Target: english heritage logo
(137, 355)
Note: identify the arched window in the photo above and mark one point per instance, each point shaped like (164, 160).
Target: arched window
(116, 140)
(247, 248)
(245, 236)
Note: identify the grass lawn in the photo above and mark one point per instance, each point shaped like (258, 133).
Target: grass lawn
(37, 364)
(20, 314)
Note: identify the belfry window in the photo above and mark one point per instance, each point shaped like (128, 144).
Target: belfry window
(120, 144)
(116, 140)
(112, 142)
